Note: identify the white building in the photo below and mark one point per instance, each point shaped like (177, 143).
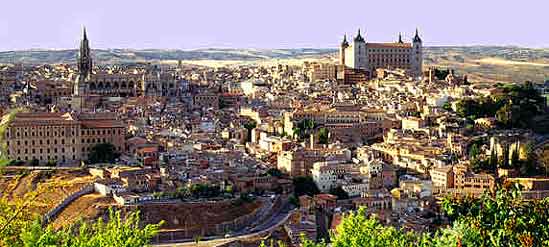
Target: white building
(354, 190)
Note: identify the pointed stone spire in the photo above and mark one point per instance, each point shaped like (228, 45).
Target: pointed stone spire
(85, 35)
(400, 38)
(359, 37)
(416, 37)
(344, 43)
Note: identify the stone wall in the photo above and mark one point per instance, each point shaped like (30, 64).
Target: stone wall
(252, 219)
(49, 216)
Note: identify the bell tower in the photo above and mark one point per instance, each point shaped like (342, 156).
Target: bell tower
(85, 64)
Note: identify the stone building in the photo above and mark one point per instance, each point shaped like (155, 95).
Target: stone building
(61, 137)
(368, 56)
(120, 84)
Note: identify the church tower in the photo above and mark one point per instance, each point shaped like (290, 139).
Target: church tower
(342, 47)
(417, 55)
(360, 60)
(85, 65)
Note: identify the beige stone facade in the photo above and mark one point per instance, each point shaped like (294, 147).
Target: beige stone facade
(60, 137)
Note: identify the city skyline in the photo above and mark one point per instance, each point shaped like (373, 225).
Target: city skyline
(247, 24)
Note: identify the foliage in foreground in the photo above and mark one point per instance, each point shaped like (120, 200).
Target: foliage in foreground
(116, 232)
(499, 219)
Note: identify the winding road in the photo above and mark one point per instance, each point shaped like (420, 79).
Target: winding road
(270, 225)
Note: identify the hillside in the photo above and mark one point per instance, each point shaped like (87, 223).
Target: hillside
(492, 64)
(481, 63)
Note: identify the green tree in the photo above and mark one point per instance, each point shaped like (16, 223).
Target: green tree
(303, 128)
(116, 232)
(503, 218)
(250, 125)
(340, 193)
(103, 153)
(447, 106)
(274, 172)
(323, 135)
(19, 226)
(544, 160)
(474, 151)
(305, 186)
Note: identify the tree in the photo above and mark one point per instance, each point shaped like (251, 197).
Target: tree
(303, 128)
(447, 106)
(305, 186)
(503, 218)
(116, 232)
(19, 227)
(340, 193)
(34, 162)
(250, 125)
(274, 172)
(323, 136)
(544, 160)
(474, 152)
(103, 153)
(504, 115)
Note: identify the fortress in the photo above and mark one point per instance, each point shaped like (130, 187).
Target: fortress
(367, 56)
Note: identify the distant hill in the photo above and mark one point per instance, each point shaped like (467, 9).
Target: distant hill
(481, 63)
(491, 63)
(130, 55)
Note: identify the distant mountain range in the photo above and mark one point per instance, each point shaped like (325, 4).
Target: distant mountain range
(148, 55)
(487, 63)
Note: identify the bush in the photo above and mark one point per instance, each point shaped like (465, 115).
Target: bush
(493, 220)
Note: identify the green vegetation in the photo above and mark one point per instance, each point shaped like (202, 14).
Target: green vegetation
(517, 107)
(441, 74)
(478, 108)
(103, 153)
(447, 106)
(274, 172)
(493, 220)
(544, 160)
(250, 125)
(506, 160)
(19, 226)
(305, 186)
(340, 193)
(303, 129)
(323, 136)
(194, 191)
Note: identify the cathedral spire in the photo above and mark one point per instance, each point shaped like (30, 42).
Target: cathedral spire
(400, 38)
(344, 43)
(416, 37)
(85, 35)
(85, 63)
(359, 37)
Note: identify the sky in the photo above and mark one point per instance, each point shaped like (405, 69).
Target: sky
(192, 24)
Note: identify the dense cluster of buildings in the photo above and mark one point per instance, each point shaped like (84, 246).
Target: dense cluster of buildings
(372, 124)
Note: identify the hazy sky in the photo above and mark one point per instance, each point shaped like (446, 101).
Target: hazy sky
(188, 24)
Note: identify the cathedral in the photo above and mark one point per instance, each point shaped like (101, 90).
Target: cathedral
(367, 56)
(150, 82)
